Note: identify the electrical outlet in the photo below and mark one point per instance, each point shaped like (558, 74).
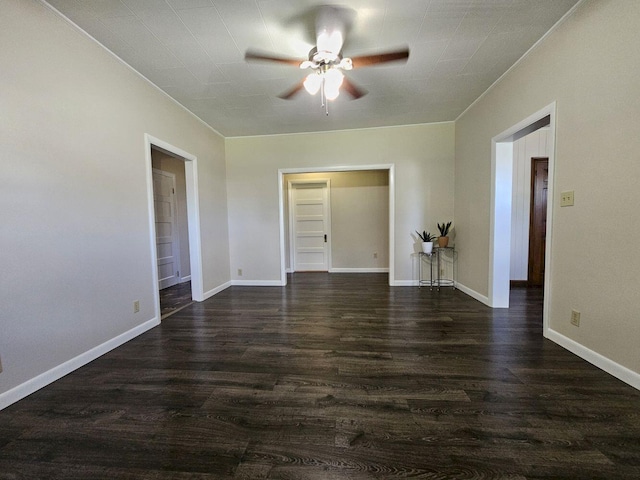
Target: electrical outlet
(239, 272)
(136, 306)
(566, 199)
(575, 318)
(375, 255)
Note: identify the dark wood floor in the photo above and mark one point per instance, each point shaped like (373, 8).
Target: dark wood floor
(333, 377)
(174, 298)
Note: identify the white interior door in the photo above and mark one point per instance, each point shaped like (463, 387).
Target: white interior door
(164, 201)
(310, 225)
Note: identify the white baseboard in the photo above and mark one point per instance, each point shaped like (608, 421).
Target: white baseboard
(258, 283)
(358, 270)
(473, 294)
(413, 283)
(216, 290)
(620, 372)
(30, 386)
(459, 286)
(405, 283)
(185, 279)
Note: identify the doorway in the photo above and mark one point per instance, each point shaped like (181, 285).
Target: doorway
(172, 232)
(189, 166)
(501, 206)
(386, 255)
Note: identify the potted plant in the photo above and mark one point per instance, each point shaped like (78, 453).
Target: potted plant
(443, 239)
(427, 241)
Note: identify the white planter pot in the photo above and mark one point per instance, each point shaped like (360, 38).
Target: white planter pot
(427, 247)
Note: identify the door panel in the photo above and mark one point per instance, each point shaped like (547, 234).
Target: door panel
(538, 221)
(310, 213)
(166, 228)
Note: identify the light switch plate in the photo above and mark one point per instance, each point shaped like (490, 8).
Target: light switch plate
(575, 318)
(566, 199)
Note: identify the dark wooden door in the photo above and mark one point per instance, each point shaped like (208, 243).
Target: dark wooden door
(538, 220)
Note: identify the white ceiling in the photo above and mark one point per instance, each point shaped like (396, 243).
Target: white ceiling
(194, 51)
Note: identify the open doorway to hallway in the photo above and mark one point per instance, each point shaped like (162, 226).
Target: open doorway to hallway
(356, 221)
(172, 231)
(190, 166)
(529, 207)
(502, 201)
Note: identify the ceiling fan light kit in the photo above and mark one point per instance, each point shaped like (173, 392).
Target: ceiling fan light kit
(327, 81)
(326, 59)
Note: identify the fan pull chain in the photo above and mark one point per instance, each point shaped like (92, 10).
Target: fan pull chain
(323, 98)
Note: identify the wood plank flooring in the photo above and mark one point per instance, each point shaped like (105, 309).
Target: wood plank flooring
(174, 298)
(332, 377)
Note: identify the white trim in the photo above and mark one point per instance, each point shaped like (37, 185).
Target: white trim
(193, 226)
(185, 279)
(343, 168)
(193, 216)
(405, 283)
(152, 228)
(36, 383)
(619, 371)
(291, 220)
(258, 283)
(500, 223)
(281, 193)
(392, 224)
(500, 214)
(216, 290)
(551, 181)
(473, 293)
(359, 270)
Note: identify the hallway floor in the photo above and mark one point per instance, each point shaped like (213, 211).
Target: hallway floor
(174, 298)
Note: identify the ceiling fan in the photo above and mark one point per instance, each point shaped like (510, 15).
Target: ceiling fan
(326, 60)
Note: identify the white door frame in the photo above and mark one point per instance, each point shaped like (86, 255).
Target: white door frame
(500, 233)
(193, 217)
(327, 213)
(389, 167)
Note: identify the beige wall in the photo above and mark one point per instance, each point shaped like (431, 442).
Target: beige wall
(169, 164)
(423, 159)
(588, 67)
(75, 216)
(359, 218)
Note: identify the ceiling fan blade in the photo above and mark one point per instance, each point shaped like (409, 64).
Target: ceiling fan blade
(251, 55)
(353, 90)
(366, 60)
(289, 94)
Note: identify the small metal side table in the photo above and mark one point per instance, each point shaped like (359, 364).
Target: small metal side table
(439, 257)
